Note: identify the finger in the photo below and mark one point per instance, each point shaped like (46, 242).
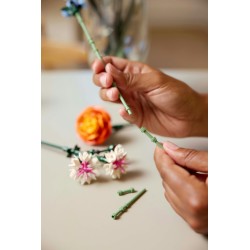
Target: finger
(111, 94)
(173, 200)
(135, 80)
(129, 118)
(169, 171)
(176, 177)
(125, 65)
(118, 76)
(172, 204)
(98, 66)
(192, 159)
(113, 75)
(119, 63)
(197, 221)
(103, 80)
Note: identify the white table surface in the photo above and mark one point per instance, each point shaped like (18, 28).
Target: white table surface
(76, 217)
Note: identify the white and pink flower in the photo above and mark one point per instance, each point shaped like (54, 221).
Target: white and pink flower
(116, 162)
(82, 168)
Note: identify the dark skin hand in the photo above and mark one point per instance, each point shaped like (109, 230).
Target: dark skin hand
(185, 190)
(168, 107)
(160, 103)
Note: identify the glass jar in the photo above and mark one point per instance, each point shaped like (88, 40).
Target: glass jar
(118, 27)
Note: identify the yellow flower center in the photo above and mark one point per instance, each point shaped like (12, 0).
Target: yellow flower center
(89, 124)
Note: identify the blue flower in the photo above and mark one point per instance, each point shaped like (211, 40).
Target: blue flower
(72, 7)
(76, 3)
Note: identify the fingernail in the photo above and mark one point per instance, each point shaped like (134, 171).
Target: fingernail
(170, 145)
(110, 94)
(93, 65)
(111, 69)
(108, 67)
(103, 80)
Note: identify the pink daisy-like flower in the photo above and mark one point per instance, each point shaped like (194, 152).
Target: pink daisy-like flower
(82, 168)
(116, 162)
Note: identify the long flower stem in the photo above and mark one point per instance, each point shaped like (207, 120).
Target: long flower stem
(70, 151)
(98, 55)
(75, 151)
(53, 145)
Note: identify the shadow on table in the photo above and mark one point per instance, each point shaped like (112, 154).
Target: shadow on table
(130, 175)
(117, 138)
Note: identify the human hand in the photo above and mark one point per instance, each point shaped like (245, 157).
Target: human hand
(162, 104)
(185, 190)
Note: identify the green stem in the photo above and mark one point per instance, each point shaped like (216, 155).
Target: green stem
(75, 151)
(124, 208)
(123, 192)
(151, 137)
(53, 145)
(70, 151)
(98, 55)
(102, 159)
(108, 149)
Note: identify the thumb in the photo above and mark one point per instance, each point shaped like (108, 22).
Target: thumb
(190, 158)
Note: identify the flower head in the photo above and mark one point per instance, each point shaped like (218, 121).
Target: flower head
(116, 162)
(76, 3)
(82, 168)
(72, 7)
(94, 125)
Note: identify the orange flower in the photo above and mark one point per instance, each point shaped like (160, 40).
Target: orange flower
(94, 125)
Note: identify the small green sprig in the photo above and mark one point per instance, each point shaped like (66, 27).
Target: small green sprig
(128, 191)
(151, 137)
(124, 208)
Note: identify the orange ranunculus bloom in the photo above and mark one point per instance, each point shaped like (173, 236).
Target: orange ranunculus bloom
(94, 125)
